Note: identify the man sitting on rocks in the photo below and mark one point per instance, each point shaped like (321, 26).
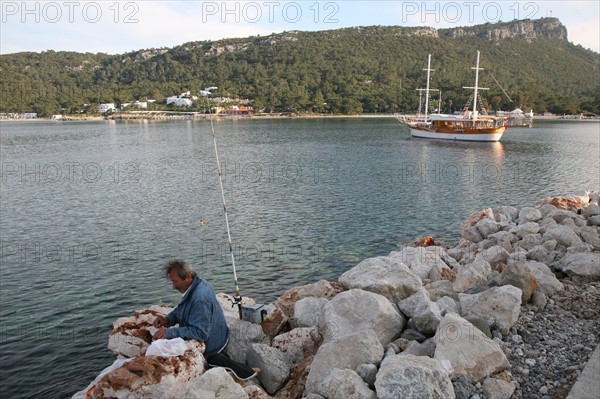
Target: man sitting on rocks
(200, 317)
(199, 314)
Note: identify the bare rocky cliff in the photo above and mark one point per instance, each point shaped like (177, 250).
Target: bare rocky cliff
(529, 30)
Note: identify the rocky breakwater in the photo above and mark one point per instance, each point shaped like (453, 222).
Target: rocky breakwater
(509, 311)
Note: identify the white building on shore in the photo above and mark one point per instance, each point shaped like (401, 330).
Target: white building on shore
(138, 104)
(104, 108)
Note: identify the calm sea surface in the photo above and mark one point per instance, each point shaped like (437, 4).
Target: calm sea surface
(89, 212)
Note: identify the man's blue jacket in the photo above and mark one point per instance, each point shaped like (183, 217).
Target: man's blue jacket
(200, 317)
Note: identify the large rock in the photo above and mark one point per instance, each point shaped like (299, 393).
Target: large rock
(591, 210)
(349, 353)
(547, 282)
(320, 289)
(242, 334)
(498, 306)
(590, 236)
(529, 214)
(346, 384)
(560, 215)
(357, 310)
(152, 377)
(488, 226)
(519, 275)
(472, 234)
(383, 275)
(563, 236)
(495, 255)
(421, 260)
(216, 383)
(425, 314)
(307, 312)
(475, 217)
(132, 335)
(494, 388)
(472, 274)
(524, 229)
(274, 366)
(447, 304)
(299, 344)
(581, 264)
(467, 349)
(440, 289)
(509, 212)
(408, 376)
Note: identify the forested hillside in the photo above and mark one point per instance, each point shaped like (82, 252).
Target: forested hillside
(352, 70)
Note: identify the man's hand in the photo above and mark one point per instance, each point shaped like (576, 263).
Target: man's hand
(160, 334)
(161, 321)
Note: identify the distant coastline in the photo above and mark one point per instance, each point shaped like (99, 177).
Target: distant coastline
(157, 116)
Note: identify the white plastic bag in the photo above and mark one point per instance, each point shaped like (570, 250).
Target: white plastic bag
(167, 347)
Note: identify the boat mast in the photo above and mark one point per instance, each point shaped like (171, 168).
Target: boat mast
(427, 89)
(477, 69)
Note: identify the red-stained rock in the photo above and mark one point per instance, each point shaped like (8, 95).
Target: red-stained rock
(569, 204)
(132, 335)
(320, 289)
(152, 377)
(424, 242)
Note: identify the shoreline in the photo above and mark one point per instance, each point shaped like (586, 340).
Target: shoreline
(162, 116)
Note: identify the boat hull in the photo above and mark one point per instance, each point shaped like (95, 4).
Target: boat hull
(493, 135)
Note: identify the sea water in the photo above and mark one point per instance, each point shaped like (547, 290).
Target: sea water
(89, 211)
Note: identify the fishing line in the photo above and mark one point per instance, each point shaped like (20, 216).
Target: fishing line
(237, 298)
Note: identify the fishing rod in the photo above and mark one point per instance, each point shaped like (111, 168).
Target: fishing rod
(237, 298)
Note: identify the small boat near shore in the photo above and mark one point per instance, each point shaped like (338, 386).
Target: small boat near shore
(471, 125)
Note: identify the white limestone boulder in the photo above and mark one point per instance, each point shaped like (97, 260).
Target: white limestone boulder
(468, 350)
(425, 314)
(421, 260)
(488, 226)
(242, 334)
(529, 214)
(524, 229)
(216, 383)
(505, 212)
(274, 364)
(581, 264)
(345, 384)
(500, 307)
(495, 255)
(472, 274)
(413, 377)
(563, 236)
(547, 282)
(384, 275)
(590, 236)
(299, 344)
(447, 304)
(307, 312)
(348, 353)
(519, 275)
(357, 310)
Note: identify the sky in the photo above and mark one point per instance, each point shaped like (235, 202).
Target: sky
(113, 27)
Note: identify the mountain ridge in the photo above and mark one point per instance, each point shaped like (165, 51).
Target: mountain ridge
(348, 70)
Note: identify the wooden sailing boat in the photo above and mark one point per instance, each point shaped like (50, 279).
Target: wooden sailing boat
(471, 125)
